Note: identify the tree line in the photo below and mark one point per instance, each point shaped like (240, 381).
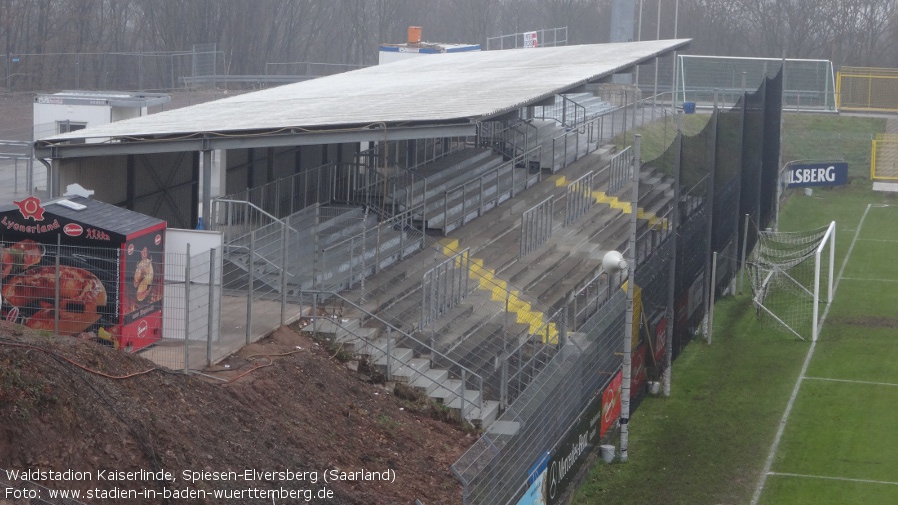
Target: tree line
(251, 33)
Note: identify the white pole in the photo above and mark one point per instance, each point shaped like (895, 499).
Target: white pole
(628, 324)
(832, 261)
(816, 294)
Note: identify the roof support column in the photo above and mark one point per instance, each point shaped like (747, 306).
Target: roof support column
(207, 187)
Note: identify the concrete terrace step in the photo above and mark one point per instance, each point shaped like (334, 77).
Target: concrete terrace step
(414, 368)
(473, 340)
(445, 173)
(474, 200)
(471, 400)
(406, 368)
(429, 380)
(486, 416)
(446, 391)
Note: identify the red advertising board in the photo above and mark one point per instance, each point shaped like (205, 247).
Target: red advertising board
(611, 403)
(85, 267)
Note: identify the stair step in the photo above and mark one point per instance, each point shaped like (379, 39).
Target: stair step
(411, 370)
(353, 341)
(446, 391)
(472, 400)
(428, 382)
(484, 417)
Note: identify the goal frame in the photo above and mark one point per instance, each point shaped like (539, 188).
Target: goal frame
(829, 238)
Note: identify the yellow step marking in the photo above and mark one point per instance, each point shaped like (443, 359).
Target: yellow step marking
(500, 292)
(627, 208)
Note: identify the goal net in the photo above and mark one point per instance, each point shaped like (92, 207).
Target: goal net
(792, 278)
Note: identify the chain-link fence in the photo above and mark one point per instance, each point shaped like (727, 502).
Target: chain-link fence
(807, 84)
(204, 65)
(546, 37)
(189, 313)
(142, 70)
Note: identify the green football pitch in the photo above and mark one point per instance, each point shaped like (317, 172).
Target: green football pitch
(838, 441)
(761, 416)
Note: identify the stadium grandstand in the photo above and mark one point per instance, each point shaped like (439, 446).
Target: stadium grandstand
(445, 217)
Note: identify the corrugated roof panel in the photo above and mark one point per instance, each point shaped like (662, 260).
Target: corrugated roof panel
(436, 88)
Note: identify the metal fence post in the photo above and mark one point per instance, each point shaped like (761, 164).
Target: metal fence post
(211, 321)
(187, 310)
(446, 213)
(56, 289)
(389, 373)
(672, 224)
(250, 270)
(464, 387)
(284, 235)
(744, 247)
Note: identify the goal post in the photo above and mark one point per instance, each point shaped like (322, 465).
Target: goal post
(792, 278)
(829, 239)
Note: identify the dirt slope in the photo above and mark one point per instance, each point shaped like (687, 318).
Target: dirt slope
(289, 405)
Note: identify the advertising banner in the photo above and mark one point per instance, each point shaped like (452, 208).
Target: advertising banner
(611, 404)
(64, 266)
(530, 39)
(806, 175)
(536, 482)
(600, 413)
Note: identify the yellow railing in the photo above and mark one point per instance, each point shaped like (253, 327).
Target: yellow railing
(884, 157)
(867, 89)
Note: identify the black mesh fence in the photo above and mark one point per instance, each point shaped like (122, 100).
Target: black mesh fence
(692, 201)
(692, 232)
(727, 170)
(752, 155)
(770, 157)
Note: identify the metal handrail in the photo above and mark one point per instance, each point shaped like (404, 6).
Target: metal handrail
(254, 207)
(494, 172)
(434, 352)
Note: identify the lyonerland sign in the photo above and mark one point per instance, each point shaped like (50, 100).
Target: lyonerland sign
(816, 174)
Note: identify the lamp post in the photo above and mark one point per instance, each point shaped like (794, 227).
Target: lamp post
(613, 262)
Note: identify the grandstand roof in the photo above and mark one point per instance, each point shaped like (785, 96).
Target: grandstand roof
(444, 93)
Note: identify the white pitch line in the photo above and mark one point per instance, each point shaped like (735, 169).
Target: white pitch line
(868, 280)
(768, 464)
(879, 240)
(851, 381)
(823, 477)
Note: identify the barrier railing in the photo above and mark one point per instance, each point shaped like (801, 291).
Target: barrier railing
(488, 190)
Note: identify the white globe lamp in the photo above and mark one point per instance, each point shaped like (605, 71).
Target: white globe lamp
(614, 262)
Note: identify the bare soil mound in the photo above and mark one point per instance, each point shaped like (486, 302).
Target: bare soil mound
(284, 404)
